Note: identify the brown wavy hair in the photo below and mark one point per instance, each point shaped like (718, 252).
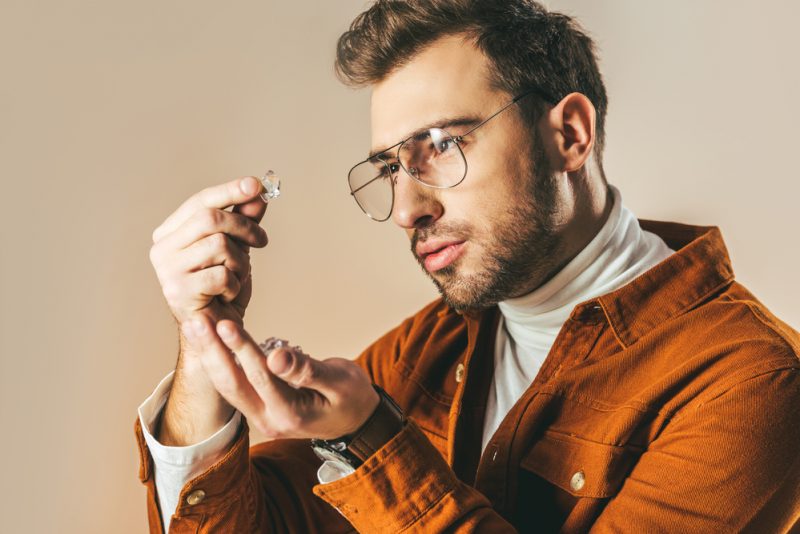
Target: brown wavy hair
(527, 47)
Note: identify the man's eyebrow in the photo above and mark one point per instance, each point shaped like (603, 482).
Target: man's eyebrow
(441, 123)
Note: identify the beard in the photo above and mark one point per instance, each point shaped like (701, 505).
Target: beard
(518, 249)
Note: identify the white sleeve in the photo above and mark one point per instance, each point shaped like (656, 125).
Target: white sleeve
(175, 466)
(332, 470)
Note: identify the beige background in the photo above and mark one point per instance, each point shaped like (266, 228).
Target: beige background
(112, 113)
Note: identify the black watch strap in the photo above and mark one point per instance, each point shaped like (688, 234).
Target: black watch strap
(385, 422)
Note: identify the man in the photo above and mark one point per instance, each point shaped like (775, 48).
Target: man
(582, 370)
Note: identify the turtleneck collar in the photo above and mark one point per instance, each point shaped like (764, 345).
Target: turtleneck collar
(617, 254)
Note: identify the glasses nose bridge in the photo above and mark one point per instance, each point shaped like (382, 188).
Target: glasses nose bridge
(403, 166)
(418, 187)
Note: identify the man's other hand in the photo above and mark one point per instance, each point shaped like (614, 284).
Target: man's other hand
(285, 394)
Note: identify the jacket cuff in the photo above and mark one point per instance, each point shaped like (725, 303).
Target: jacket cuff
(394, 487)
(175, 466)
(222, 483)
(189, 457)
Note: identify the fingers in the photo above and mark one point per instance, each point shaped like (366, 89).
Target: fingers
(289, 412)
(291, 366)
(216, 280)
(286, 411)
(212, 237)
(303, 371)
(192, 292)
(228, 379)
(209, 221)
(243, 298)
(216, 249)
(267, 385)
(221, 196)
(253, 209)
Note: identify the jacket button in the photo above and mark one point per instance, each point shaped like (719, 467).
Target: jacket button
(577, 481)
(195, 497)
(459, 372)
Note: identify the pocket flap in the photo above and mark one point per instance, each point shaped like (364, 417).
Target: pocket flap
(580, 467)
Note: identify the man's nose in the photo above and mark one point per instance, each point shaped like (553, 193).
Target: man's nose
(415, 205)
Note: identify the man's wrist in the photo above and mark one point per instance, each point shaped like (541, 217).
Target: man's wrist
(193, 410)
(385, 422)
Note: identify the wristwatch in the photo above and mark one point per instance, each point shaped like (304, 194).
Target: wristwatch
(353, 449)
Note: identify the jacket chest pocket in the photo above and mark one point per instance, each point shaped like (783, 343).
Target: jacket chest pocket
(580, 467)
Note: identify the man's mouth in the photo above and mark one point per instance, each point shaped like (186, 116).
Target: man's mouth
(438, 255)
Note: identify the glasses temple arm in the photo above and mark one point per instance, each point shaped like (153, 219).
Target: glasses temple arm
(516, 99)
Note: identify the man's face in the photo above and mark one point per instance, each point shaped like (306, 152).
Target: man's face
(496, 234)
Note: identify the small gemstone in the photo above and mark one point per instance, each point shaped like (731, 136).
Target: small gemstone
(272, 186)
(272, 343)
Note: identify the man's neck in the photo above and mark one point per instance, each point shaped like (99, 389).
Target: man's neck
(594, 205)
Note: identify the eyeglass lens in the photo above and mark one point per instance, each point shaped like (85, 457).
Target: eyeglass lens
(431, 157)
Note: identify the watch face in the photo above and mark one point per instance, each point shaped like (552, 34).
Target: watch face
(326, 454)
(334, 451)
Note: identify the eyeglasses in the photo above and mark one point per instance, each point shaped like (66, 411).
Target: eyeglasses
(430, 156)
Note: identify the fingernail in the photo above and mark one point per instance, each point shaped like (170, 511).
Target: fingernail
(226, 331)
(249, 185)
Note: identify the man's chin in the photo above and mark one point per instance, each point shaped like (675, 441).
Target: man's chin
(460, 292)
(459, 304)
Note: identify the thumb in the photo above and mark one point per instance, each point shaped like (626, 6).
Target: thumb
(301, 370)
(255, 208)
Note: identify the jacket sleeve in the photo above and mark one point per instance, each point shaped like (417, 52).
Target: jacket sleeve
(264, 488)
(731, 465)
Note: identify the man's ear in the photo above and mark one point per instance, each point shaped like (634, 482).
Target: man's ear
(569, 132)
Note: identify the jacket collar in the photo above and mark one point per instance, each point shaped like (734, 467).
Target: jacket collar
(699, 268)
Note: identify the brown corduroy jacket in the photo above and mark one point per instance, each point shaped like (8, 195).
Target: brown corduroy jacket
(671, 404)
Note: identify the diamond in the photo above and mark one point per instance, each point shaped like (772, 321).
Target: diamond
(272, 343)
(272, 186)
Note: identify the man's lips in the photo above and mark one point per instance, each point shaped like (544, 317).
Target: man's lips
(438, 255)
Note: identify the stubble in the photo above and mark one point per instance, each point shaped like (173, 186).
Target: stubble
(518, 250)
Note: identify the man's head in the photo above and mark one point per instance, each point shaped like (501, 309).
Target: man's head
(534, 170)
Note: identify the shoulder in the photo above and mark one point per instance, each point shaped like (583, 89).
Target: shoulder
(734, 342)
(741, 324)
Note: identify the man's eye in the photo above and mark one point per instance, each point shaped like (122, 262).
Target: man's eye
(389, 170)
(445, 145)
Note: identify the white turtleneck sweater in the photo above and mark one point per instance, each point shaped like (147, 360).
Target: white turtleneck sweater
(529, 324)
(619, 252)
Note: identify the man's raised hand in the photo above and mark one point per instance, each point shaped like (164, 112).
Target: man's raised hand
(201, 257)
(201, 251)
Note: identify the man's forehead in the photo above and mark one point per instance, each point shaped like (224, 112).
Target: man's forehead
(449, 79)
